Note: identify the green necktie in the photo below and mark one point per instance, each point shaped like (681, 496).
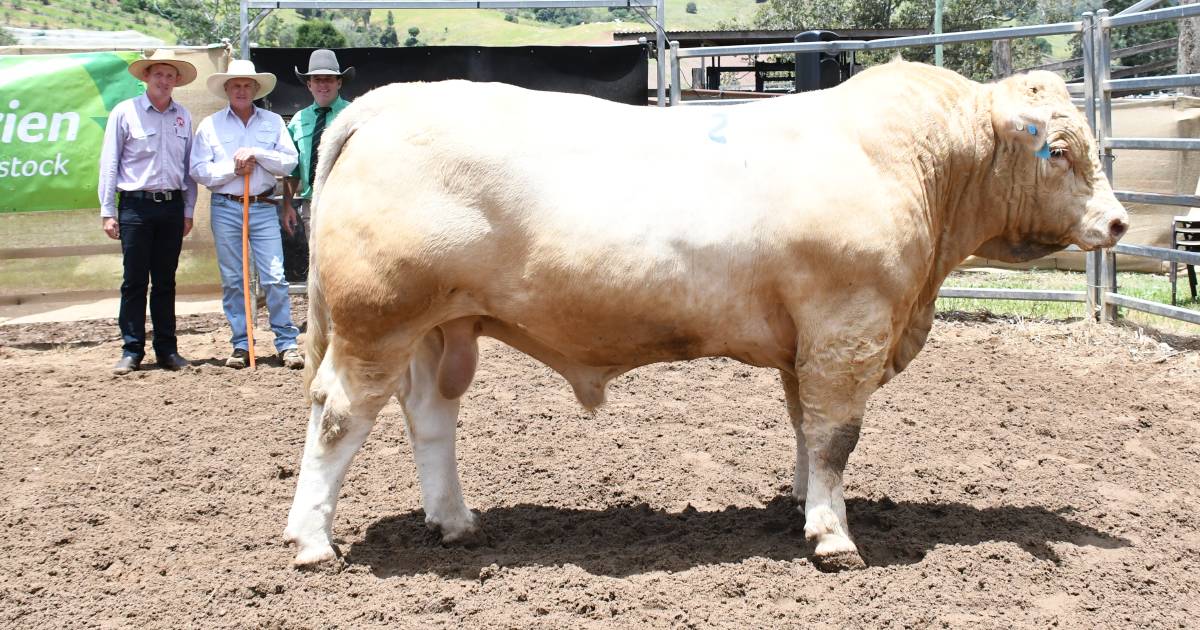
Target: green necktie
(318, 129)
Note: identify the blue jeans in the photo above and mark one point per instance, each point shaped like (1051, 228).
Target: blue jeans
(266, 251)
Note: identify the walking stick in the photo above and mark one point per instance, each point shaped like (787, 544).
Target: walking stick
(246, 265)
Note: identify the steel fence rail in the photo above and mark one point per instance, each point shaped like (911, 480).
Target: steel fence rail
(1177, 256)
(1037, 295)
(1139, 6)
(1153, 83)
(1158, 198)
(847, 45)
(1155, 308)
(1147, 17)
(1152, 144)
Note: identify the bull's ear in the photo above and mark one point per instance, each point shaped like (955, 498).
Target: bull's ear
(1027, 127)
(1020, 114)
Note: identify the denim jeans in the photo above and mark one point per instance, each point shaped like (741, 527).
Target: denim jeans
(151, 237)
(266, 252)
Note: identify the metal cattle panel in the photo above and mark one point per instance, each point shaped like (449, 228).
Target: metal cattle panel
(615, 73)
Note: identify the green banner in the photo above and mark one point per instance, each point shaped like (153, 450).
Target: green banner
(53, 109)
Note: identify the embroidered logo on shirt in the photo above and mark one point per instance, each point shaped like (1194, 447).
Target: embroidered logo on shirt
(179, 121)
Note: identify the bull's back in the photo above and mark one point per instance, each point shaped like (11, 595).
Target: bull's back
(549, 210)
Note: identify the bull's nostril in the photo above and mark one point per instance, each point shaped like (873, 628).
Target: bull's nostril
(1117, 228)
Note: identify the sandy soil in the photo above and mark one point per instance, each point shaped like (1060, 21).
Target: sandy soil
(1018, 474)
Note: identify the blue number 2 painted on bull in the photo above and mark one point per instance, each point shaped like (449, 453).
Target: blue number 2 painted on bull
(715, 133)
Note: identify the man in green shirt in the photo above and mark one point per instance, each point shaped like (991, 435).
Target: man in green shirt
(324, 80)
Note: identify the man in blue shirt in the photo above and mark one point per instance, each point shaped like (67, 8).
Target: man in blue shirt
(146, 201)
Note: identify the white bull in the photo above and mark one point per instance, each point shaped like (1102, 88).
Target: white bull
(807, 233)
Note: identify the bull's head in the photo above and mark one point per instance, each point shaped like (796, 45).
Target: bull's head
(1047, 173)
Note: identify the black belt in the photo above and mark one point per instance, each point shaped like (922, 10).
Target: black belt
(263, 198)
(157, 196)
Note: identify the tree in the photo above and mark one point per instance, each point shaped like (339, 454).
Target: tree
(1131, 36)
(319, 34)
(971, 59)
(6, 38)
(275, 32)
(357, 35)
(389, 38)
(200, 21)
(412, 37)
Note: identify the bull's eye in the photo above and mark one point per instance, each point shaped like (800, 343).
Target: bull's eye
(1058, 152)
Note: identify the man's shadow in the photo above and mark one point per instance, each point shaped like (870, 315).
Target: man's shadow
(629, 539)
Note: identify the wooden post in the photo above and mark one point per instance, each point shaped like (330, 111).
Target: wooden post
(1002, 58)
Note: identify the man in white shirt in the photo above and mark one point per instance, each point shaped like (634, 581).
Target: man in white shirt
(234, 141)
(146, 202)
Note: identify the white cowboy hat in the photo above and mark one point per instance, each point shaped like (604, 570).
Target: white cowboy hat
(187, 72)
(241, 69)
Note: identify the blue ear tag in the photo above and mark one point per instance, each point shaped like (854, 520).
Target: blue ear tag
(1044, 152)
(1032, 129)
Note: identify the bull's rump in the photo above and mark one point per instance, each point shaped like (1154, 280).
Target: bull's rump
(559, 213)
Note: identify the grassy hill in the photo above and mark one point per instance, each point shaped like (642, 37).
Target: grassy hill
(438, 26)
(489, 27)
(97, 15)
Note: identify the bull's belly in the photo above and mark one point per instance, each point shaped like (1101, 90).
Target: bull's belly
(613, 334)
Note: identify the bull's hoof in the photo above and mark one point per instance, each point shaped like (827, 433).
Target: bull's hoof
(315, 556)
(839, 561)
(457, 531)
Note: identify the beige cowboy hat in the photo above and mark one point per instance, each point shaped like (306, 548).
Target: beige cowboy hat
(241, 69)
(324, 62)
(187, 72)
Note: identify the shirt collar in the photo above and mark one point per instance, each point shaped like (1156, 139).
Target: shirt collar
(253, 113)
(337, 105)
(144, 103)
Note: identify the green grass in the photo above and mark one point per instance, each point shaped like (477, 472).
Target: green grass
(1152, 287)
(97, 15)
(94, 273)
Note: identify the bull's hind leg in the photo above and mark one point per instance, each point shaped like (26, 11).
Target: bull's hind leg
(791, 392)
(834, 384)
(442, 366)
(347, 394)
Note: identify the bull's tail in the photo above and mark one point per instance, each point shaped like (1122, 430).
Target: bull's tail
(319, 327)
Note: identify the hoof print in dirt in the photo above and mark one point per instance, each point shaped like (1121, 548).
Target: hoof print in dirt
(837, 562)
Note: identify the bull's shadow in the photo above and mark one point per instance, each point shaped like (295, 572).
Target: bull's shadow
(629, 539)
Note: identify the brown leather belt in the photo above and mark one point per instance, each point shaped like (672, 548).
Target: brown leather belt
(263, 198)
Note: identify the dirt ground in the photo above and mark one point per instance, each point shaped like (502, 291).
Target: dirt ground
(1017, 474)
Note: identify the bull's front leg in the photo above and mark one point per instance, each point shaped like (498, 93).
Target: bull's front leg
(347, 395)
(834, 384)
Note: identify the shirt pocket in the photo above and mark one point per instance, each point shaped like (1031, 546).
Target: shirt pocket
(265, 138)
(143, 141)
(229, 146)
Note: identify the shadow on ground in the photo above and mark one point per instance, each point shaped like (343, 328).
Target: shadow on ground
(629, 539)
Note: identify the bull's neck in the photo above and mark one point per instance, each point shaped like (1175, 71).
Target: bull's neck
(962, 185)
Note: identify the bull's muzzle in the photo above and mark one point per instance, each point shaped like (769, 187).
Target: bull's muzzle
(1107, 228)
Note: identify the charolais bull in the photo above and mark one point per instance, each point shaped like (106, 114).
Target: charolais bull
(807, 233)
